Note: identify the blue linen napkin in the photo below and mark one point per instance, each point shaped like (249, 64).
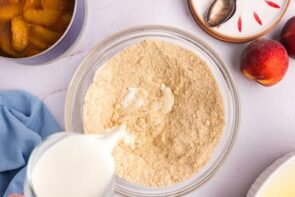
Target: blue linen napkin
(24, 122)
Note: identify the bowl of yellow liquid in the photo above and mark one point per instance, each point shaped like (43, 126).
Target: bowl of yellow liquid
(278, 180)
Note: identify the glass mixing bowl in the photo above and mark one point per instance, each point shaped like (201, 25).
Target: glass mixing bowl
(107, 49)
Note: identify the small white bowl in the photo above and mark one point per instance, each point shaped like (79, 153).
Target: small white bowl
(266, 176)
(251, 20)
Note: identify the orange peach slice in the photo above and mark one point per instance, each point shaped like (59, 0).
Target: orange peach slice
(42, 17)
(45, 34)
(40, 44)
(32, 4)
(20, 35)
(64, 5)
(8, 12)
(6, 47)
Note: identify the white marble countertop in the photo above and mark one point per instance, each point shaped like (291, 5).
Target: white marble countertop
(267, 128)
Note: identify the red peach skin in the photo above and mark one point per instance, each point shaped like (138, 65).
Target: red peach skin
(265, 61)
(288, 37)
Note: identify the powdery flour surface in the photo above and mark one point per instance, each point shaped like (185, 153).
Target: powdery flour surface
(172, 107)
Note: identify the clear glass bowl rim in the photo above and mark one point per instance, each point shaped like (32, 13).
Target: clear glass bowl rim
(232, 88)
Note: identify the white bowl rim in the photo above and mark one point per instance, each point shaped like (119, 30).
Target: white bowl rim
(270, 173)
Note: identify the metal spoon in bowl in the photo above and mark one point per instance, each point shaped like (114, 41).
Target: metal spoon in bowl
(220, 11)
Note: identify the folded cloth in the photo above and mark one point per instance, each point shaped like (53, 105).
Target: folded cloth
(24, 122)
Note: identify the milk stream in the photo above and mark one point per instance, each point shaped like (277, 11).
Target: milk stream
(77, 166)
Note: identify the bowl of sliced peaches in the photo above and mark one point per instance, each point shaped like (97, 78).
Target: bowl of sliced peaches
(37, 31)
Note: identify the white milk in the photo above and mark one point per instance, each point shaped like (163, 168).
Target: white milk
(76, 166)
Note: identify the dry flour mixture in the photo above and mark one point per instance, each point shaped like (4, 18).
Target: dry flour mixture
(172, 107)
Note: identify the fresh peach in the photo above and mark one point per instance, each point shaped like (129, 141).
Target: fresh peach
(288, 37)
(265, 61)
